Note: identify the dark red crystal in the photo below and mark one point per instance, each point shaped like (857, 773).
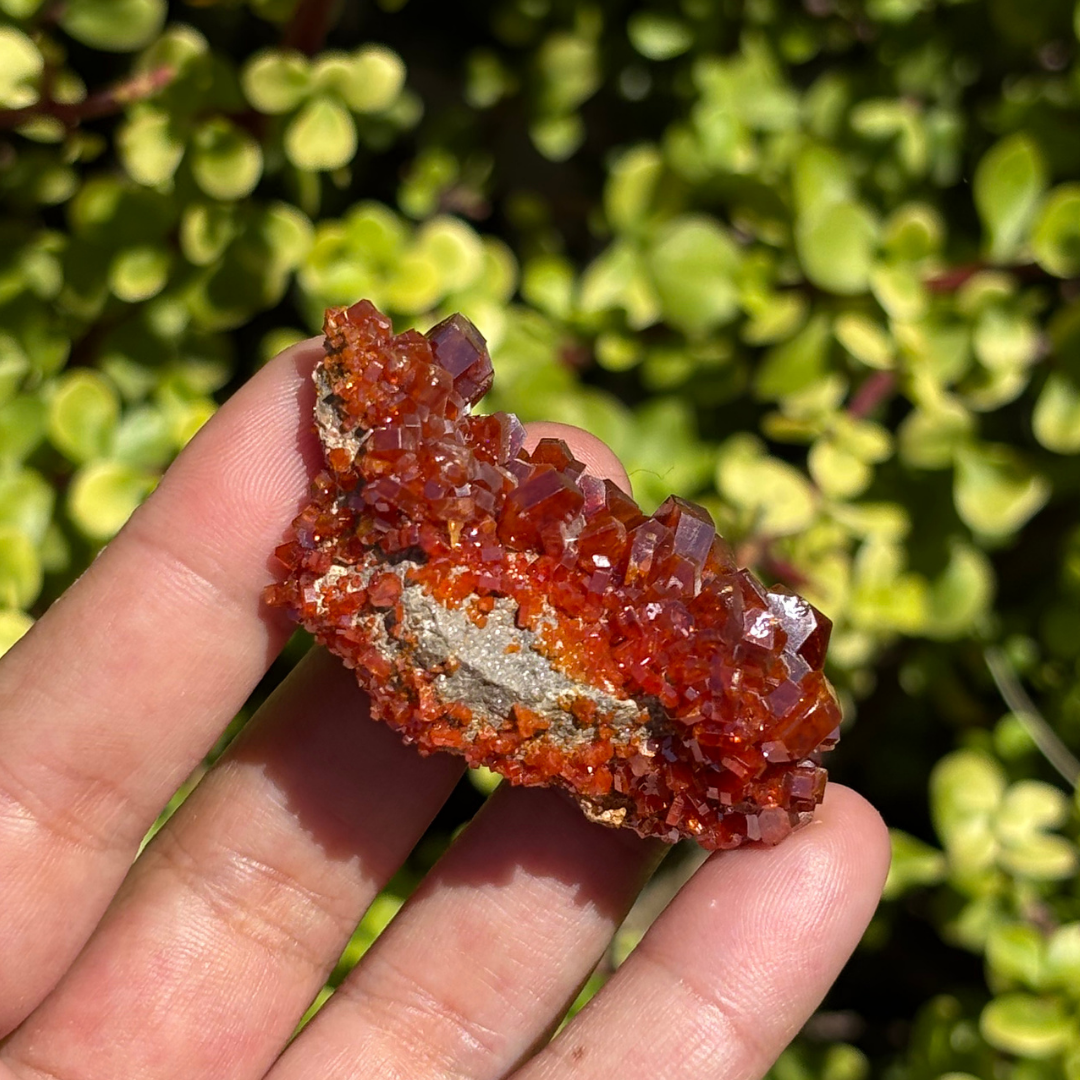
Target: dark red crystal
(511, 608)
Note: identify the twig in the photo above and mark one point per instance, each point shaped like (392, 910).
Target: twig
(955, 277)
(104, 103)
(873, 392)
(308, 26)
(1022, 707)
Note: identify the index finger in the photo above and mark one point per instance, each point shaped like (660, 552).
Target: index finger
(123, 685)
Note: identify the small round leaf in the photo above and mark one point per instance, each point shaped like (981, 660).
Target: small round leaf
(276, 80)
(226, 161)
(13, 624)
(149, 148)
(694, 265)
(1055, 242)
(1009, 181)
(113, 25)
(322, 136)
(1056, 417)
(1026, 1025)
(104, 494)
(83, 414)
(139, 273)
(20, 569)
(374, 80)
(995, 491)
(21, 65)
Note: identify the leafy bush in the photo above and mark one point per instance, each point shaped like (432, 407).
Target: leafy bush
(817, 267)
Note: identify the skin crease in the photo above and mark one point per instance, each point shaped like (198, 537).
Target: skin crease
(198, 960)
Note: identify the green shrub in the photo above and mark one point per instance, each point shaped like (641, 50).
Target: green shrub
(815, 266)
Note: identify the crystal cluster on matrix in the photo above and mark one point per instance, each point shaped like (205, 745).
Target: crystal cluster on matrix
(512, 608)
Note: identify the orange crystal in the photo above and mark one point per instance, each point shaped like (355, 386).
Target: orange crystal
(513, 609)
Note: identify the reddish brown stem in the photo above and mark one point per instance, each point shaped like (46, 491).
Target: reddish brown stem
(309, 25)
(874, 391)
(104, 103)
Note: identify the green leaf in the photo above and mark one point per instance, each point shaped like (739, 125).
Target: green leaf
(694, 263)
(144, 438)
(149, 148)
(1025, 1025)
(1009, 182)
(375, 79)
(415, 285)
(83, 414)
(1030, 806)
(913, 232)
(1063, 958)
(22, 427)
(21, 65)
(104, 494)
(13, 624)
(454, 250)
(570, 72)
(884, 596)
(113, 25)
(1056, 417)
(836, 247)
(930, 437)
(618, 278)
(836, 470)
(26, 503)
(376, 232)
(796, 364)
(139, 273)
(914, 864)
(1005, 338)
(20, 9)
(276, 81)
(821, 178)
(995, 491)
(1016, 951)
(1041, 857)
(1055, 241)
(960, 596)
(631, 187)
(775, 497)
(225, 160)
(321, 136)
(20, 569)
(558, 137)
(964, 785)
(866, 340)
(658, 36)
(206, 230)
(547, 282)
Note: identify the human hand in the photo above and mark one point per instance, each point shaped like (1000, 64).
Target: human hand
(198, 960)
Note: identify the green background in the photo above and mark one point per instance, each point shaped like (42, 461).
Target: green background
(814, 265)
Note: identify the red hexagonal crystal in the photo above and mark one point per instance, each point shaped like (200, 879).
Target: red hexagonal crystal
(513, 609)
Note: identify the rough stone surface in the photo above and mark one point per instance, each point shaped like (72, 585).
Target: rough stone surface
(513, 609)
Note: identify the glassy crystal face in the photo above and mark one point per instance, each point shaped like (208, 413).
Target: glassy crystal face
(508, 607)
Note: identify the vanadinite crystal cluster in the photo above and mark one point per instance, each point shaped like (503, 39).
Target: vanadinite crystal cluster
(509, 607)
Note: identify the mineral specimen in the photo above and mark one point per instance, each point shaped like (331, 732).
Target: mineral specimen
(512, 608)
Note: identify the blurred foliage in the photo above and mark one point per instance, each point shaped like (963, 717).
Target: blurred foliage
(815, 265)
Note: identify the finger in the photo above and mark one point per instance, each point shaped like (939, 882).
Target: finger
(487, 955)
(731, 970)
(120, 689)
(231, 920)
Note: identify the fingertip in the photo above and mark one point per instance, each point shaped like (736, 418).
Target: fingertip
(595, 454)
